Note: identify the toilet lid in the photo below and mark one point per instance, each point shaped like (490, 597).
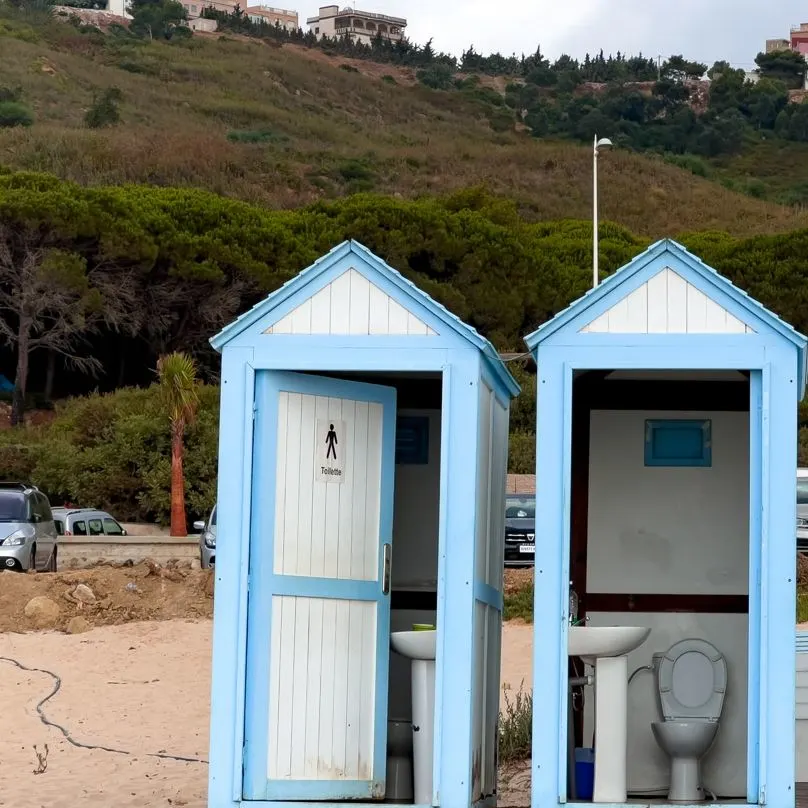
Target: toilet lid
(692, 681)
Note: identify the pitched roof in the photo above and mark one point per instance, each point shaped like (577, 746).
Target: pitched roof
(682, 256)
(407, 290)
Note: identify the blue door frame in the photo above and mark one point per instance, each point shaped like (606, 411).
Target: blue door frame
(555, 393)
(263, 583)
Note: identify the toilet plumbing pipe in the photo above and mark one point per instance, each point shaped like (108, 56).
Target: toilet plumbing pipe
(581, 681)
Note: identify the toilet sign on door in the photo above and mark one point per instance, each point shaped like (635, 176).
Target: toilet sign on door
(329, 462)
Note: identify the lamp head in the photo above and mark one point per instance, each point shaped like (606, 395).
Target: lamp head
(604, 141)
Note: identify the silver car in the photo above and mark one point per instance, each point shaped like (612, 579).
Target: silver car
(85, 522)
(27, 533)
(207, 541)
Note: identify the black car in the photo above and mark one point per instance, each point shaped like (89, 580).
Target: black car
(520, 530)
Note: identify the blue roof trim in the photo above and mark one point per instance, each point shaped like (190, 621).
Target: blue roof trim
(408, 289)
(609, 286)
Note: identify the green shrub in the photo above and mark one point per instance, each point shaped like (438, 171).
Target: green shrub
(13, 113)
(113, 451)
(437, 77)
(348, 68)
(10, 94)
(519, 604)
(255, 136)
(104, 111)
(516, 727)
(388, 79)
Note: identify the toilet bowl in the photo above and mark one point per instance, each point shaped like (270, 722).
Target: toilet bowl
(399, 782)
(691, 683)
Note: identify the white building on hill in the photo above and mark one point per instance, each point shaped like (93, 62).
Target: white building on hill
(362, 26)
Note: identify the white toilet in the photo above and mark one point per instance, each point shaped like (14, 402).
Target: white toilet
(691, 681)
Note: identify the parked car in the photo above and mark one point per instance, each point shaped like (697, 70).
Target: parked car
(520, 530)
(207, 541)
(802, 510)
(85, 522)
(28, 538)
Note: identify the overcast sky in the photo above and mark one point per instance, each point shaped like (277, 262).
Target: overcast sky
(707, 30)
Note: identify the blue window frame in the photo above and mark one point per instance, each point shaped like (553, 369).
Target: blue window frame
(678, 443)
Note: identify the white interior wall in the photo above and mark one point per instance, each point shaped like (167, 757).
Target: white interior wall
(416, 515)
(724, 766)
(667, 530)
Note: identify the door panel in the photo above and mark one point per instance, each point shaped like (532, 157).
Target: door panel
(319, 617)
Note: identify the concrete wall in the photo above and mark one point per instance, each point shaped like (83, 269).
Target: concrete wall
(75, 553)
(669, 530)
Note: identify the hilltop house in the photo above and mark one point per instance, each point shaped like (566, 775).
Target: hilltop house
(273, 16)
(361, 26)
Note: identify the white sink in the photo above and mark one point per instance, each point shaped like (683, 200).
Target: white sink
(593, 642)
(606, 647)
(414, 644)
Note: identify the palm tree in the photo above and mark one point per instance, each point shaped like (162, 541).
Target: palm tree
(179, 391)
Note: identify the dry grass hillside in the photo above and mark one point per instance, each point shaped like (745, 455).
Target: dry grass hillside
(284, 126)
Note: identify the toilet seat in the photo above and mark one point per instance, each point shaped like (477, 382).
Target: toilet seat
(692, 680)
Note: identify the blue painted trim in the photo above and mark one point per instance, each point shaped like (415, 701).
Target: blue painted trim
(801, 643)
(352, 255)
(654, 456)
(778, 589)
(226, 679)
(668, 253)
(549, 608)
(489, 595)
(455, 663)
(758, 468)
(331, 588)
(259, 597)
(265, 583)
(329, 357)
(658, 803)
(304, 804)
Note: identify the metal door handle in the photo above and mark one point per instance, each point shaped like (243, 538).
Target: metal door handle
(387, 563)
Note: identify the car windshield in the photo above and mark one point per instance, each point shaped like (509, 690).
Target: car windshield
(520, 508)
(12, 507)
(213, 517)
(802, 491)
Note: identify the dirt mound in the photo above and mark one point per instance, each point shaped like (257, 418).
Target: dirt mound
(121, 594)
(518, 579)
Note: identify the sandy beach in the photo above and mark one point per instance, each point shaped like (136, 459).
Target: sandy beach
(142, 688)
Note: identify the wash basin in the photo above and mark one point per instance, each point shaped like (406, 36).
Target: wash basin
(415, 644)
(592, 642)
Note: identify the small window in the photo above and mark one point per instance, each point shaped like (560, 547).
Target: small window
(678, 443)
(317, 30)
(112, 528)
(96, 528)
(60, 526)
(802, 491)
(79, 528)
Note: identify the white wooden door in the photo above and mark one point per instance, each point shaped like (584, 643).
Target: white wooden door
(319, 599)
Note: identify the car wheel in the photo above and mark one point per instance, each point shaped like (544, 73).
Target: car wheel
(32, 560)
(53, 560)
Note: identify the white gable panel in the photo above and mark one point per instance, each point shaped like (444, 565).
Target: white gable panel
(351, 305)
(667, 304)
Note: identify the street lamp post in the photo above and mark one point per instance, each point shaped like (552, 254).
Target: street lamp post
(603, 142)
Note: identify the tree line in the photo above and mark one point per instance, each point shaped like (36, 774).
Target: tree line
(101, 281)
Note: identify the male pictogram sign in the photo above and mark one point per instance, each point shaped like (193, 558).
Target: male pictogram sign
(329, 451)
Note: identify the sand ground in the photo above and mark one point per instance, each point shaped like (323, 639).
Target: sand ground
(142, 688)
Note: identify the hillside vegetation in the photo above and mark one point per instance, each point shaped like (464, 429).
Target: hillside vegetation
(285, 126)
